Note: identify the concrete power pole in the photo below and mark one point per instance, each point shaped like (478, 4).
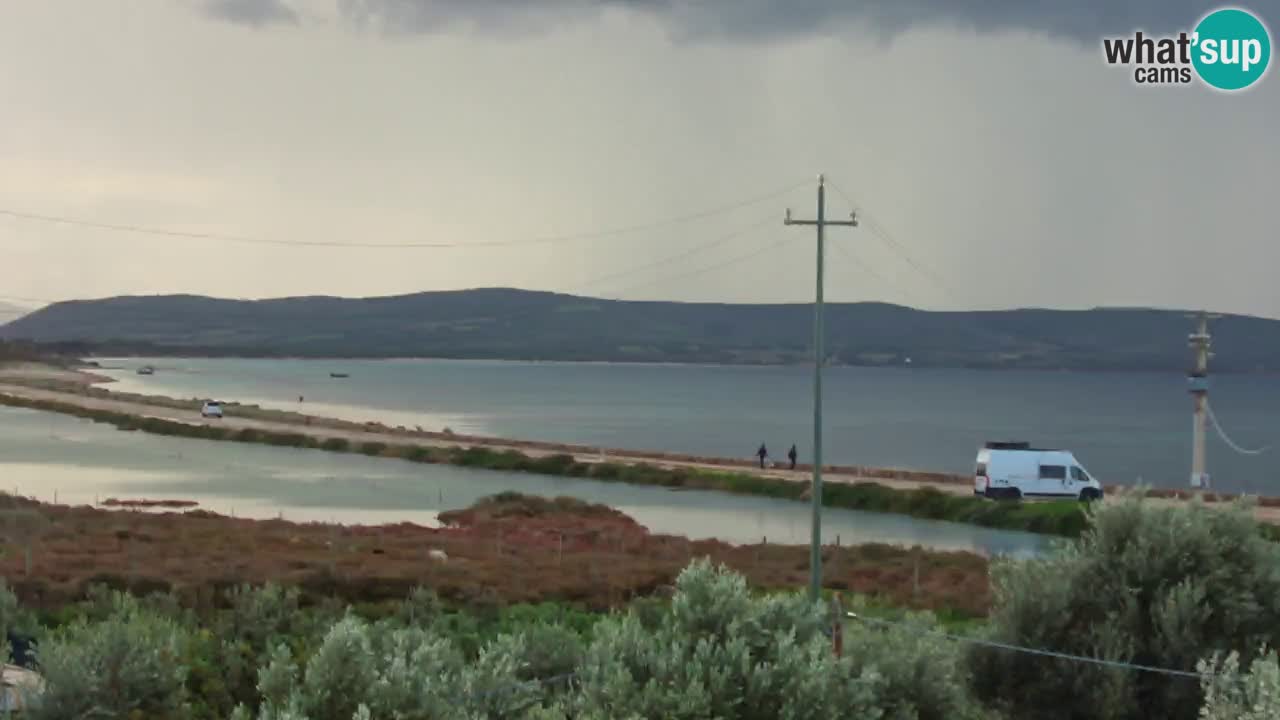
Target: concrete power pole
(1198, 385)
(819, 358)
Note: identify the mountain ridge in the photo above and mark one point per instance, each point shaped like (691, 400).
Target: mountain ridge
(514, 324)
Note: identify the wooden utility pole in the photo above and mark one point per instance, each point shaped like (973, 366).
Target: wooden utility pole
(819, 358)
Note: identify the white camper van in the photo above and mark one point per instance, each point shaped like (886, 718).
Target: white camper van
(1015, 470)
(211, 409)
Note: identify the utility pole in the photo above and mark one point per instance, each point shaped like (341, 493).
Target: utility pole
(819, 358)
(1198, 386)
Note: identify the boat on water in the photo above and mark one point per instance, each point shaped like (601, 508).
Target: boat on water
(337, 375)
(146, 370)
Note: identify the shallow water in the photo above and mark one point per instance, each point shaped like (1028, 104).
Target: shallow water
(1122, 426)
(50, 456)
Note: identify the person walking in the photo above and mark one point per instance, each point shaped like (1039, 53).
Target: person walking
(762, 453)
(791, 455)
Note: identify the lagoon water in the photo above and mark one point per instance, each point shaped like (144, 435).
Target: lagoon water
(1122, 426)
(73, 461)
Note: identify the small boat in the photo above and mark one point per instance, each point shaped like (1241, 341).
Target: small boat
(146, 370)
(337, 375)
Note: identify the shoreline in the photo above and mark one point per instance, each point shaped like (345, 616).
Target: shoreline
(56, 384)
(213, 354)
(935, 496)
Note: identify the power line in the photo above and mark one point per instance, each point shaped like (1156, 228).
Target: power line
(1118, 664)
(885, 236)
(712, 268)
(145, 230)
(749, 230)
(1223, 434)
(680, 256)
(538, 309)
(848, 253)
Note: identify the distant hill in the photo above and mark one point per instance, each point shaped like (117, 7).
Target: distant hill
(525, 325)
(9, 312)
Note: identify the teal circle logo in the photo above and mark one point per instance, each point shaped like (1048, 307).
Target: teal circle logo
(1231, 49)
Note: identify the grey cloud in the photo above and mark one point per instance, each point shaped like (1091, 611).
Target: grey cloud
(256, 13)
(1085, 21)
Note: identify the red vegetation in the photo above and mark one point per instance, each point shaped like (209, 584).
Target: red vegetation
(504, 550)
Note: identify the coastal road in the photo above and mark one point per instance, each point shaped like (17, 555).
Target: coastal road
(324, 428)
(73, 387)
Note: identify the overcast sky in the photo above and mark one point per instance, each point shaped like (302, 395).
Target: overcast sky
(988, 139)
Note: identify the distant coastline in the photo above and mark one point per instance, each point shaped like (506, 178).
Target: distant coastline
(509, 325)
(223, 355)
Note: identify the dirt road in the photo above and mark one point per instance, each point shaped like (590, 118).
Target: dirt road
(75, 389)
(321, 429)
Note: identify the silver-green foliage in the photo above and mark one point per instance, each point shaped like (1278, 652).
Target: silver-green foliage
(387, 671)
(260, 615)
(719, 653)
(1146, 584)
(128, 663)
(9, 609)
(923, 673)
(1232, 696)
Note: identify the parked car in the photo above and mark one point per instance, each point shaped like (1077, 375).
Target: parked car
(1013, 470)
(211, 409)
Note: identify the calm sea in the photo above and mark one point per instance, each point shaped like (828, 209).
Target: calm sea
(1122, 426)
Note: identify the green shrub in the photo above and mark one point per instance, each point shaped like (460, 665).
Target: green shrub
(9, 610)
(1231, 696)
(336, 444)
(282, 439)
(560, 464)
(419, 453)
(129, 665)
(718, 653)
(422, 608)
(1145, 584)
(385, 671)
(924, 676)
(606, 471)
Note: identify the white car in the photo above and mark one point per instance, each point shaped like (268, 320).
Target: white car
(211, 409)
(1016, 470)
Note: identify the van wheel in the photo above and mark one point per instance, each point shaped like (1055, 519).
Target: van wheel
(1089, 495)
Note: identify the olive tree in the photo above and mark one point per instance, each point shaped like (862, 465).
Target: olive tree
(719, 652)
(1147, 584)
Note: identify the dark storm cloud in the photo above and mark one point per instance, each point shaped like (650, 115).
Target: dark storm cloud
(252, 12)
(1082, 20)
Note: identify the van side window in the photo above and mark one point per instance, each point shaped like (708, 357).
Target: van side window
(982, 469)
(1078, 474)
(1053, 472)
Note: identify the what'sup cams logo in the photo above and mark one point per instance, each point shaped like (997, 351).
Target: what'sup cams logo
(1229, 49)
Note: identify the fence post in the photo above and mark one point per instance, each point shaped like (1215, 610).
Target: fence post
(837, 625)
